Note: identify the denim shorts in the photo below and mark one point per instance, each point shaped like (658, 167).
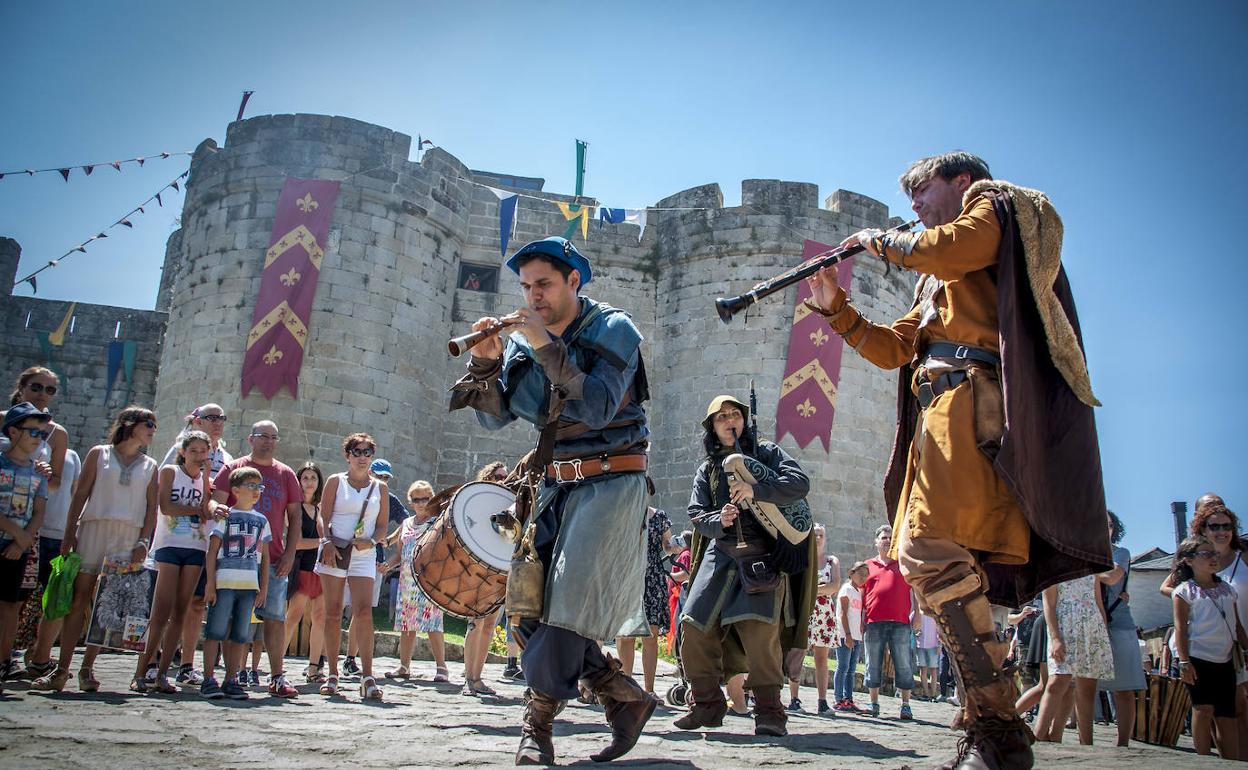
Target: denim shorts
(927, 657)
(182, 557)
(230, 617)
(275, 600)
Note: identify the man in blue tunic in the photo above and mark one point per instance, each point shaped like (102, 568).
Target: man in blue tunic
(574, 369)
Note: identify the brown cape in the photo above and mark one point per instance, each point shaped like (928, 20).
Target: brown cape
(1049, 458)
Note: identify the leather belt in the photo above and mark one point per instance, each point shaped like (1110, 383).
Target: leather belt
(928, 391)
(566, 471)
(961, 352)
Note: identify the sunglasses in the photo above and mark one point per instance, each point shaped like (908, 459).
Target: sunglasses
(149, 423)
(1216, 527)
(366, 452)
(37, 433)
(213, 417)
(419, 500)
(39, 387)
(1204, 554)
(253, 486)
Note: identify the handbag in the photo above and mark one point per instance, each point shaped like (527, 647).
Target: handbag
(346, 546)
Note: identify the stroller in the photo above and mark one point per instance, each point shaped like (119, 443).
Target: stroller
(678, 694)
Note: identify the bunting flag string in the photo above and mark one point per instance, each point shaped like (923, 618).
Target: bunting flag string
(87, 168)
(506, 216)
(124, 221)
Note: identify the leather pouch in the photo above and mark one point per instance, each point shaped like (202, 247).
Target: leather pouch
(989, 404)
(526, 581)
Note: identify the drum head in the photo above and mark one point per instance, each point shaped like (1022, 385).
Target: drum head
(471, 509)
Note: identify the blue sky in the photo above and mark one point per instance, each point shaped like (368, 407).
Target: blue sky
(1130, 115)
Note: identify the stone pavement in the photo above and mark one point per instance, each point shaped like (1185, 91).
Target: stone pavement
(422, 724)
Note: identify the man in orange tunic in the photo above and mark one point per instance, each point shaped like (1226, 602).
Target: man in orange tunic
(973, 487)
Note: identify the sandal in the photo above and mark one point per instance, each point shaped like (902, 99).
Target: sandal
(163, 685)
(87, 681)
(369, 689)
(441, 674)
(313, 674)
(399, 673)
(479, 687)
(137, 684)
(53, 682)
(330, 687)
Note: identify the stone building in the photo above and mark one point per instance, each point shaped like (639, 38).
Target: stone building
(391, 291)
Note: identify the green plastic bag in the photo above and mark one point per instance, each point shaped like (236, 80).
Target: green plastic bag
(59, 595)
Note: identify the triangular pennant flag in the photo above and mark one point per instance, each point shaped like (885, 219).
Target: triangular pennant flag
(1, 176)
(583, 213)
(174, 184)
(64, 173)
(158, 203)
(88, 169)
(638, 217)
(34, 287)
(30, 172)
(116, 164)
(82, 248)
(57, 337)
(101, 235)
(164, 155)
(140, 160)
(125, 222)
(506, 216)
(140, 210)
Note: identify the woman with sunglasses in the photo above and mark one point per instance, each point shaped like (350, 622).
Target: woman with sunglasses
(38, 385)
(352, 517)
(113, 513)
(1213, 520)
(414, 613)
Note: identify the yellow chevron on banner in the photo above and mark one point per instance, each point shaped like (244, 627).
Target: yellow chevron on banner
(800, 312)
(282, 314)
(300, 236)
(814, 370)
(58, 337)
(569, 215)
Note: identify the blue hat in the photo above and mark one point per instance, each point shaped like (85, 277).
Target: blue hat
(558, 248)
(380, 467)
(19, 412)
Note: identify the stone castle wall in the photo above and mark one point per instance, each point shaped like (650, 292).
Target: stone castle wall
(80, 404)
(387, 300)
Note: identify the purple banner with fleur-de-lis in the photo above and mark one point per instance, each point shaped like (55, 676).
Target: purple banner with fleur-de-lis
(812, 373)
(292, 264)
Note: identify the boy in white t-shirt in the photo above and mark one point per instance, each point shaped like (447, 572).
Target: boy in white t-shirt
(238, 574)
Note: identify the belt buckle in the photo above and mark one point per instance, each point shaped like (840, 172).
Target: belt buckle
(962, 352)
(576, 470)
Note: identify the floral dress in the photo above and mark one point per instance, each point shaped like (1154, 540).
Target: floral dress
(415, 612)
(823, 616)
(656, 594)
(1083, 630)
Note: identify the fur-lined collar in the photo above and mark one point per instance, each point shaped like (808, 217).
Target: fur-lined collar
(1041, 231)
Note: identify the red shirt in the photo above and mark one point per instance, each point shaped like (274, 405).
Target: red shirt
(281, 488)
(886, 594)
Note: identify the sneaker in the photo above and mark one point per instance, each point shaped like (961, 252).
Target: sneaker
(795, 705)
(906, 713)
(824, 708)
(875, 709)
(233, 689)
(511, 672)
(349, 666)
(38, 670)
(281, 688)
(253, 678)
(210, 689)
(9, 669)
(188, 675)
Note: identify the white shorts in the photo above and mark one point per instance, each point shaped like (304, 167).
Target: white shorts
(363, 564)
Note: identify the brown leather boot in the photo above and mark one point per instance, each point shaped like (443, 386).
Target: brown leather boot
(537, 746)
(996, 738)
(707, 707)
(627, 707)
(769, 715)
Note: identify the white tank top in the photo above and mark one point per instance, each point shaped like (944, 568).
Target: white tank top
(347, 522)
(119, 492)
